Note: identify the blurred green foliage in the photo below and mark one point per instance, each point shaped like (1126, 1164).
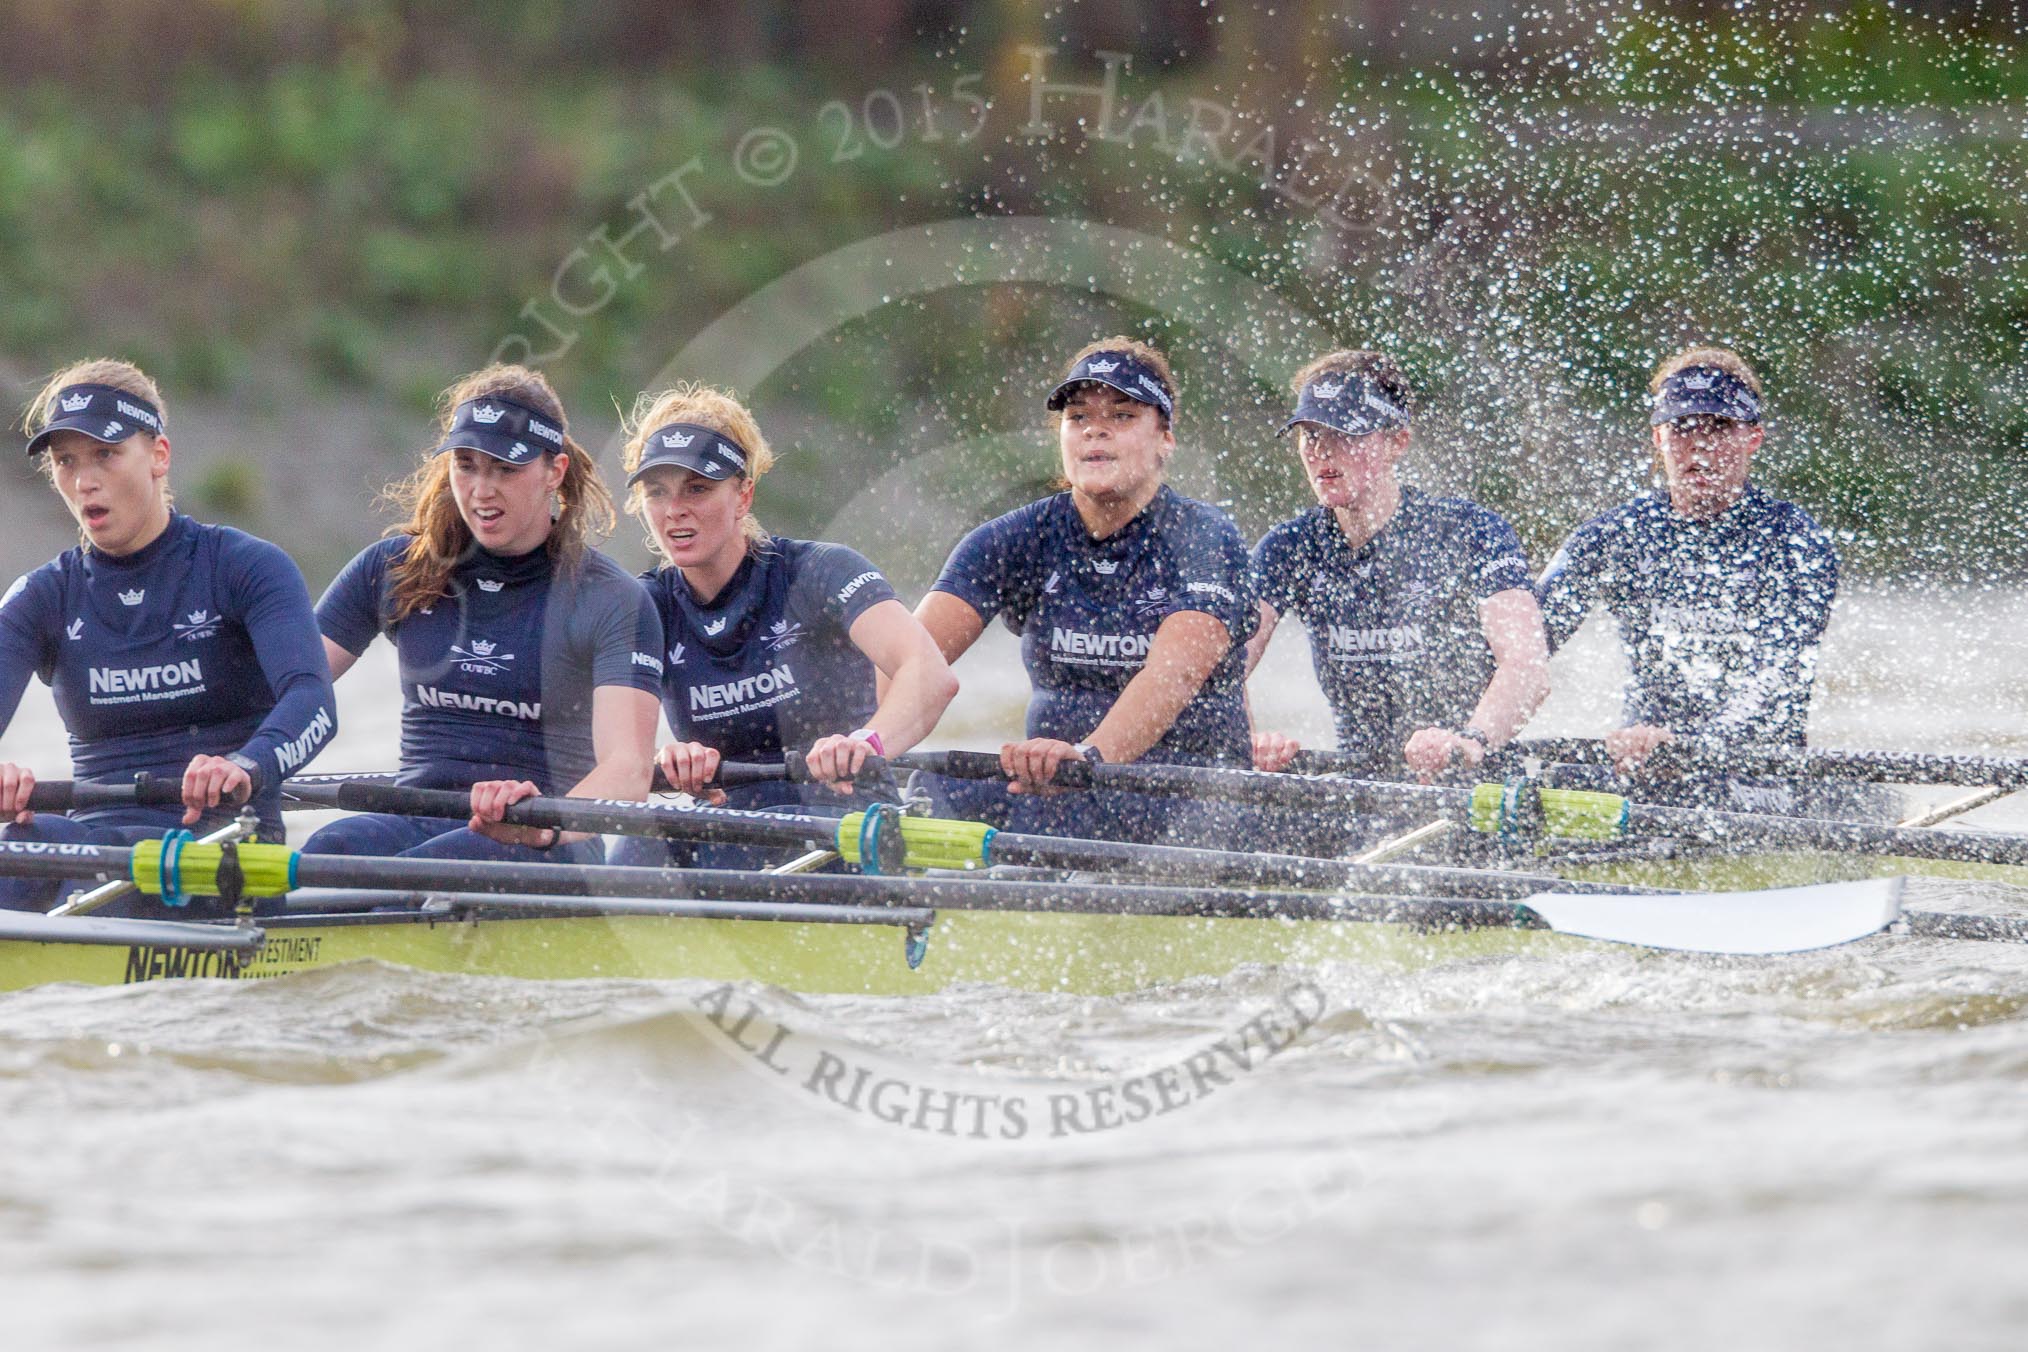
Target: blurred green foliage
(1839, 190)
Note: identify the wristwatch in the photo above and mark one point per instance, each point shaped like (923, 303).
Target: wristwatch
(250, 765)
(1472, 734)
(871, 738)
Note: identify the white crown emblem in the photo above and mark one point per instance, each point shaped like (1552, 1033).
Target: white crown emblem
(198, 617)
(75, 628)
(1105, 567)
(779, 627)
(676, 441)
(1102, 368)
(1324, 389)
(132, 598)
(483, 647)
(113, 428)
(487, 584)
(1700, 381)
(76, 403)
(486, 415)
(716, 626)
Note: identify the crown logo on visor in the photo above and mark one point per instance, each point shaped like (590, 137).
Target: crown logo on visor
(132, 598)
(676, 441)
(76, 403)
(1700, 381)
(1324, 389)
(486, 415)
(1102, 368)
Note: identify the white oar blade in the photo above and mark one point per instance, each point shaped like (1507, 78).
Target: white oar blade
(1783, 920)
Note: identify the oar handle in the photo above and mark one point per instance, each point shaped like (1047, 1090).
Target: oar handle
(793, 768)
(81, 795)
(1071, 774)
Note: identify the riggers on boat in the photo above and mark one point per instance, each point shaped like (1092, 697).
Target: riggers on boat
(968, 922)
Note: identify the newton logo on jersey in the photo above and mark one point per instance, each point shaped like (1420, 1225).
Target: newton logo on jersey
(1077, 648)
(1388, 643)
(767, 687)
(147, 682)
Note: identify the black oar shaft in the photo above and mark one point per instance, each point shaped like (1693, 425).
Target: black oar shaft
(1984, 928)
(1796, 762)
(416, 875)
(1184, 864)
(1177, 864)
(50, 859)
(1810, 833)
(591, 814)
(1795, 833)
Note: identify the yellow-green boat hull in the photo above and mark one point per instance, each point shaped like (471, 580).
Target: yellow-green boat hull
(1085, 954)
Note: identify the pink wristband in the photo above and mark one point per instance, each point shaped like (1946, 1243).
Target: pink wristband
(871, 738)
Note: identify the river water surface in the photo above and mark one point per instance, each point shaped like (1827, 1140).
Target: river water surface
(1562, 1146)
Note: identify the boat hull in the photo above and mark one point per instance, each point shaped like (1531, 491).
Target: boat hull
(1081, 954)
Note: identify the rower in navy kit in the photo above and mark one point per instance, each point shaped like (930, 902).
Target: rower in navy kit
(1132, 603)
(1720, 590)
(1423, 631)
(175, 649)
(529, 661)
(771, 644)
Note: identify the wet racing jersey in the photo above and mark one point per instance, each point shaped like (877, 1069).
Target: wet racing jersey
(1719, 619)
(497, 675)
(1394, 627)
(200, 643)
(769, 662)
(1087, 611)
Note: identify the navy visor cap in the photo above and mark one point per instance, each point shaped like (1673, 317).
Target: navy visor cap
(690, 446)
(502, 429)
(1704, 391)
(1135, 379)
(100, 412)
(1345, 403)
